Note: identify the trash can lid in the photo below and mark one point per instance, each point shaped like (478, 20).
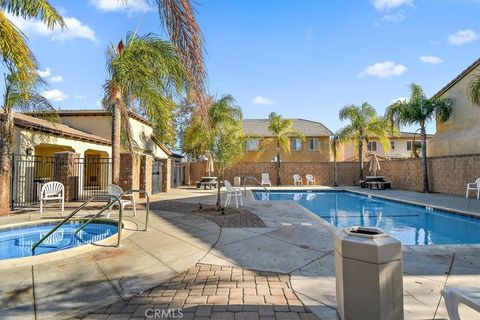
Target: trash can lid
(367, 244)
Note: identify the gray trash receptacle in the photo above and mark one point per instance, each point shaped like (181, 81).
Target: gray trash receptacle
(369, 279)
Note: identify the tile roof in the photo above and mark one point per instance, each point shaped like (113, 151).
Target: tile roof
(259, 127)
(31, 123)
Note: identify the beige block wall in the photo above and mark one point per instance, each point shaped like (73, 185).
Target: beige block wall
(447, 175)
(268, 151)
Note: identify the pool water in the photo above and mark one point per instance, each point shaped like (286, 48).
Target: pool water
(17, 242)
(412, 225)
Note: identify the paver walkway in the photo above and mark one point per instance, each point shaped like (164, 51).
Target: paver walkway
(214, 292)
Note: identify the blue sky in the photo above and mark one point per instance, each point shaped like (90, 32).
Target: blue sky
(300, 58)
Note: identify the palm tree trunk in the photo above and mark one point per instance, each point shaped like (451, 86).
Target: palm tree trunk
(6, 139)
(278, 163)
(360, 158)
(423, 134)
(116, 129)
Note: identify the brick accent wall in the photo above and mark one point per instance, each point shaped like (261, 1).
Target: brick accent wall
(129, 172)
(146, 174)
(447, 174)
(166, 174)
(65, 172)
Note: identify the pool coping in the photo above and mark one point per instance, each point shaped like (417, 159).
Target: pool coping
(427, 248)
(129, 228)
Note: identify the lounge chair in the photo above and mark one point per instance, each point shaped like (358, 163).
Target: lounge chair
(310, 179)
(233, 192)
(266, 180)
(475, 186)
(454, 296)
(297, 180)
(115, 190)
(52, 190)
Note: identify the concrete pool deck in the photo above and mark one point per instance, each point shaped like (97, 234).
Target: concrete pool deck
(294, 242)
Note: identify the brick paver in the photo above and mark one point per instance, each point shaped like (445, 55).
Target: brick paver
(213, 292)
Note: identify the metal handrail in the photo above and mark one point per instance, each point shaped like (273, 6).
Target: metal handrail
(110, 202)
(147, 211)
(254, 179)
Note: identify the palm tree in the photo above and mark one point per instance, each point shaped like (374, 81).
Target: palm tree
(282, 131)
(419, 110)
(13, 47)
(219, 134)
(15, 97)
(364, 124)
(144, 74)
(474, 90)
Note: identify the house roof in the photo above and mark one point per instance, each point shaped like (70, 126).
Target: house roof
(462, 75)
(37, 124)
(403, 134)
(92, 113)
(259, 127)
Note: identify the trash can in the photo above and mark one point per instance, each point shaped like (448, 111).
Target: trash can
(368, 268)
(237, 181)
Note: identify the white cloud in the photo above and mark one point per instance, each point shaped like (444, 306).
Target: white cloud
(398, 99)
(462, 36)
(431, 59)
(45, 73)
(132, 6)
(399, 17)
(263, 101)
(56, 79)
(384, 69)
(54, 95)
(386, 5)
(74, 29)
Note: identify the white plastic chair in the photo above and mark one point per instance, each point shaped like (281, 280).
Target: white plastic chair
(311, 196)
(297, 180)
(53, 190)
(233, 192)
(266, 180)
(454, 296)
(475, 186)
(310, 179)
(115, 190)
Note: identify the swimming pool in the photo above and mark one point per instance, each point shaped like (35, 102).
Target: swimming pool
(17, 242)
(412, 225)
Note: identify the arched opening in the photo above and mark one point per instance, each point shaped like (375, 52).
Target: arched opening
(96, 170)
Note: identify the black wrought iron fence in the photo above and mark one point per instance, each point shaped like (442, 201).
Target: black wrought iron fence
(93, 175)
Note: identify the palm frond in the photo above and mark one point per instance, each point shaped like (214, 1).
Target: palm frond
(34, 9)
(474, 90)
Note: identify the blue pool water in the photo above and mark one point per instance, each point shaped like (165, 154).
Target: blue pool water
(412, 225)
(18, 242)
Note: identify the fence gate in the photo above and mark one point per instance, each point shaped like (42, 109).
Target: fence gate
(178, 174)
(93, 177)
(156, 176)
(29, 174)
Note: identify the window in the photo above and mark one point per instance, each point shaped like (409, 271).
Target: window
(253, 144)
(372, 146)
(296, 144)
(392, 144)
(313, 144)
(418, 145)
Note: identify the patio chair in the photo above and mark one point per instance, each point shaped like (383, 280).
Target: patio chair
(454, 296)
(297, 180)
(115, 190)
(233, 192)
(475, 186)
(266, 180)
(310, 179)
(53, 190)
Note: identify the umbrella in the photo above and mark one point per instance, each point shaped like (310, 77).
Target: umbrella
(210, 167)
(374, 164)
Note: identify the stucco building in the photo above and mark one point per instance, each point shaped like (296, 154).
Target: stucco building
(460, 135)
(314, 147)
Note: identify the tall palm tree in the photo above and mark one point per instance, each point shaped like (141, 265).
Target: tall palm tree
(143, 74)
(219, 135)
(282, 131)
(15, 97)
(419, 110)
(364, 124)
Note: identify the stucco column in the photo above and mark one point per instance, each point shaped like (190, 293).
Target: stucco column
(146, 174)
(166, 175)
(65, 171)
